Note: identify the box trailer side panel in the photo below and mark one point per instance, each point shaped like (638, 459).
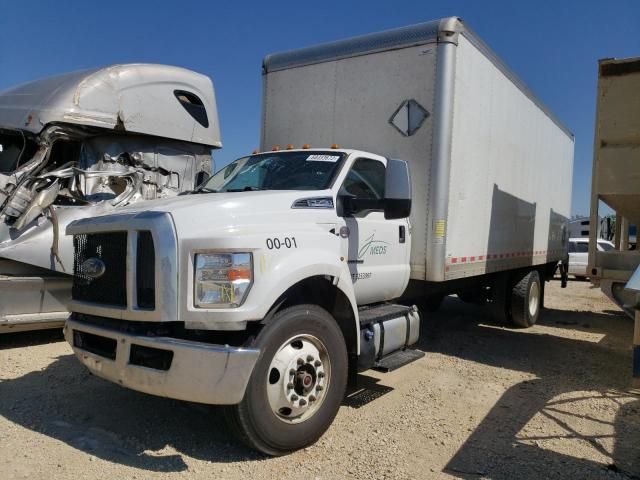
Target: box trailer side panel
(352, 102)
(510, 174)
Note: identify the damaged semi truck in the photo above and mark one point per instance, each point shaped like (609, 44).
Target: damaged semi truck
(83, 144)
(293, 269)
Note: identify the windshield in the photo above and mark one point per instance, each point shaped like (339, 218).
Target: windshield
(606, 247)
(306, 170)
(15, 149)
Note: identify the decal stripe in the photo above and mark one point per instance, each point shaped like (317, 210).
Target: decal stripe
(504, 255)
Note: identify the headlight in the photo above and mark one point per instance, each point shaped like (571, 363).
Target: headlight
(222, 279)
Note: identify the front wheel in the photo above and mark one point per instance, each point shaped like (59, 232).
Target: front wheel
(297, 385)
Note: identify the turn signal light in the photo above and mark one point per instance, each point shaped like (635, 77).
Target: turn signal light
(234, 274)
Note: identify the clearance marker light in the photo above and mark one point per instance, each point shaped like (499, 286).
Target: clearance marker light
(255, 151)
(306, 146)
(275, 148)
(289, 146)
(335, 145)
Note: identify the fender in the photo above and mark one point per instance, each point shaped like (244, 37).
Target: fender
(292, 269)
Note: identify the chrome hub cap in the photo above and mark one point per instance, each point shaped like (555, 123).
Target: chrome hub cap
(299, 375)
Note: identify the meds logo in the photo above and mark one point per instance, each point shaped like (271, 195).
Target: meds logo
(372, 247)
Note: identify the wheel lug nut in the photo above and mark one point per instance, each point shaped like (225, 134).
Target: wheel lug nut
(309, 358)
(317, 363)
(319, 387)
(320, 374)
(292, 371)
(303, 402)
(300, 361)
(294, 397)
(312, 398)
(289, 386)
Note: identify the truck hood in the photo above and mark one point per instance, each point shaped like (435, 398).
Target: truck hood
(227, 210)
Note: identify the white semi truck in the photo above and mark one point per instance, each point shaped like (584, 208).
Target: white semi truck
(83, 144)
(294, 268)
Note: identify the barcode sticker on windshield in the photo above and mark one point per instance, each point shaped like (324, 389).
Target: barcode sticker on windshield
(323, 158)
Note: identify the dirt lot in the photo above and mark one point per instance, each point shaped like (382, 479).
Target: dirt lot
(485, 402)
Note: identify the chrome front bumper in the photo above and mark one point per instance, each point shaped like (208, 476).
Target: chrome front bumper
(195, 371)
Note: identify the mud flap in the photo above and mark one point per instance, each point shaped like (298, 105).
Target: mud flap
(564, 273)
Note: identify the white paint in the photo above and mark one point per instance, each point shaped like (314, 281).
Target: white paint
(510, 166)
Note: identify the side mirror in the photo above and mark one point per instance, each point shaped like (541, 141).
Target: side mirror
(397, 202)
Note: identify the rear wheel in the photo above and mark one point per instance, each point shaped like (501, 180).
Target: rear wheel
(526, 300)
(297, 385)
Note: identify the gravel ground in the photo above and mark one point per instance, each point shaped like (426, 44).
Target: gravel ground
(485, 402)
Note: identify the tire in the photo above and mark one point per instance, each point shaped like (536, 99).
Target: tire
(267, 419)
(526, 300)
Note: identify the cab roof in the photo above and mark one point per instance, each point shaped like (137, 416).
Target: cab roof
(159, 100)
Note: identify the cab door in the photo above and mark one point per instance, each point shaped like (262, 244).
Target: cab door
(377, 250)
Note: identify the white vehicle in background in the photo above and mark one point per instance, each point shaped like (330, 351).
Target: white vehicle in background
(579, 255)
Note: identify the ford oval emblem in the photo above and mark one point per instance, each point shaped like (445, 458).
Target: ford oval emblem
(93, 267)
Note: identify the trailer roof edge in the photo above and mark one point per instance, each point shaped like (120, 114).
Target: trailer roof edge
(441, 30)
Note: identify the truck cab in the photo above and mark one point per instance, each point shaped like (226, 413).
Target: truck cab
(82, 144)
(262, 290)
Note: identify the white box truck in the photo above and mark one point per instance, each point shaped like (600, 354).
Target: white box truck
(292, 269)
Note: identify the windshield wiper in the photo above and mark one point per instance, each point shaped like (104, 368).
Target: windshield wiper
(245, 189)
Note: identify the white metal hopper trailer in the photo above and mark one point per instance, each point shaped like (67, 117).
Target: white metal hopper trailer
(616, 184)
(291, 270)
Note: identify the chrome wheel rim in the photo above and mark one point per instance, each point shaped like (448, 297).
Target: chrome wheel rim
(298, 378)
(534, 299)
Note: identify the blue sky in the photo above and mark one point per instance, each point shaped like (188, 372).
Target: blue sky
(552, 45)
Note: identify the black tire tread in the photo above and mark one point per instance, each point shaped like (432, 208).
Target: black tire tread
(520, 300)
(238, 417)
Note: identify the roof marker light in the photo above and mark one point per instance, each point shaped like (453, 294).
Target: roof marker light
(289, 146)
(306, 146)
(275, 148)
(335, 145)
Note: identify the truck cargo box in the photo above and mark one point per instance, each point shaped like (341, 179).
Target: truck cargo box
(491, 165)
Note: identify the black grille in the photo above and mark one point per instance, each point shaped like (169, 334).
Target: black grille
(111, 249)
(146, 271)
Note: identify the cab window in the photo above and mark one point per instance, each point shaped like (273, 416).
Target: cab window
(15, 149)
(582, 247)
(605, 247)
(365, 180)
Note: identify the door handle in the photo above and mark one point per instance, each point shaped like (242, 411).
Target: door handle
(403, 234)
